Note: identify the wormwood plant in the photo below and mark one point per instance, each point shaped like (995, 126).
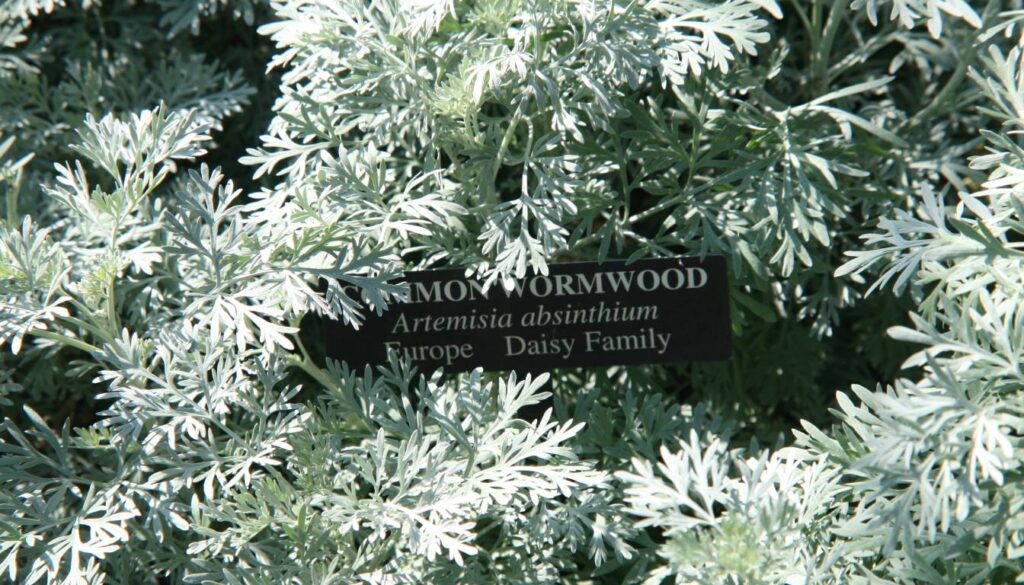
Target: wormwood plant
(858, 163)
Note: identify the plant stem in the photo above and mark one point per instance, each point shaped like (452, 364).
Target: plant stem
(316, 372)
(506, 140)
(951, 86)
(798, 6)
(112, 317)
(60, 338)
(313, 370)
(823, 53)
(12, 200)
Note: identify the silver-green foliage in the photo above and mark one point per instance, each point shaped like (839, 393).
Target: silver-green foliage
(144, 286)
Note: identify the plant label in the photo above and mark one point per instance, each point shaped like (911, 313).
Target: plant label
(579, 314)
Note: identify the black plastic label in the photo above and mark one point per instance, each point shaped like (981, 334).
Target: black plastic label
(579, 314)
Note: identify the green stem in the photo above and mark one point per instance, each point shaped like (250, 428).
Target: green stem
(506, 140)
(12, 200)
(112, 317)
(952, 84)
(696, 135)
(306, 365)
(816, 16)
(91, 328)
(60, 338)
(798, 6)
(313, 370)
(295, 322)
(627, 188)
(828, 37)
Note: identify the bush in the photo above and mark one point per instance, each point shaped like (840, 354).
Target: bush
(183, 182)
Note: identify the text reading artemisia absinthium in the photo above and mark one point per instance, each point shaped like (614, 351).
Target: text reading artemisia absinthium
(511, 327)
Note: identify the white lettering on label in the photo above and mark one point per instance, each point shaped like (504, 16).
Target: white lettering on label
(460, 286)
(645, 339)
(693, 281)
(620, 279)
(561, 285)
(464, 322)
(444, 352)
(648, 280)
(547, 284)
(675, 273)
(516, 345)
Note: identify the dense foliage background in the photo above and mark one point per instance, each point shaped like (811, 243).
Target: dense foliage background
(183, 181)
